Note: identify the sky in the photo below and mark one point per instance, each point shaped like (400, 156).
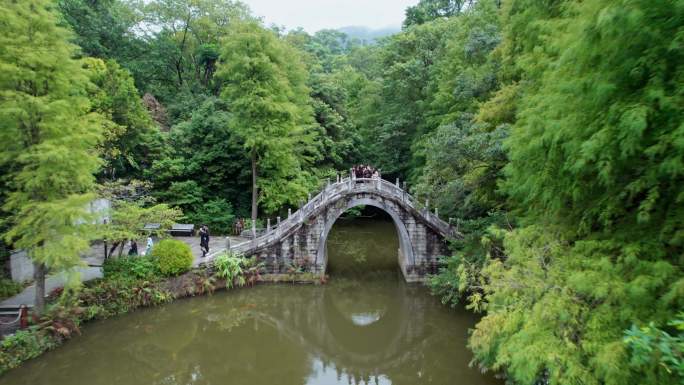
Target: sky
(314, 15)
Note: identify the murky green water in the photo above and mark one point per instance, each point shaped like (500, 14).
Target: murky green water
(370, 328)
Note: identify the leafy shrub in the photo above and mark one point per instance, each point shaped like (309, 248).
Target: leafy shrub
(24, 345)
(173, 257)
(131, 268)
(108, 297)
(229, 267)
(9, 288)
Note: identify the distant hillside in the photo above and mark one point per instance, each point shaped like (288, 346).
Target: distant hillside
(367, 34)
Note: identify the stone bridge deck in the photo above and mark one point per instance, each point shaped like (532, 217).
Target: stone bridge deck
(302, 235)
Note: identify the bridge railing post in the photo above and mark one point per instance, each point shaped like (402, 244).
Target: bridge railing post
(268, 225)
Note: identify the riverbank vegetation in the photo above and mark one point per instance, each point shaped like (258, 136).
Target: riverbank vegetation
(551, 132)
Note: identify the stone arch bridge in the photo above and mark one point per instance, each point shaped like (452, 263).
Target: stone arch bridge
(300, 239)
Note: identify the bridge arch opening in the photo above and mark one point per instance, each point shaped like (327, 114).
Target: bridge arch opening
(362, 241)
(405, 254)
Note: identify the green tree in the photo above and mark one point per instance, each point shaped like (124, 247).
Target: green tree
(48, 138)
(264, 84)
(128, 220)
(102, 28)
(330, 79)
(595, 172)
(428, 10)
(206, 167)
(394, 104)
(181, 38)
(458, 166)
(131, 139)
(339, 135)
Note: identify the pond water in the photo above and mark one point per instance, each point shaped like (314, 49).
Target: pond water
(359, 328)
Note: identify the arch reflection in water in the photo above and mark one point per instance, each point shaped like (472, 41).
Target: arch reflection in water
(350, 331)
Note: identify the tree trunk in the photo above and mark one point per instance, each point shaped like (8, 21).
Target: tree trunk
(113, 249)
(254, 193)
(39, 278)
(123, 244)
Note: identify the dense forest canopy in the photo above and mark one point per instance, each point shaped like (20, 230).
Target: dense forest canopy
(550, 131)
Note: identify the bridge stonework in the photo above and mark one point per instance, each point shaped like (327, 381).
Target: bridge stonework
(300, 240)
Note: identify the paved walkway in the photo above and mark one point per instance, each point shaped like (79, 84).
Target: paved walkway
(28, 296)
(96, 257)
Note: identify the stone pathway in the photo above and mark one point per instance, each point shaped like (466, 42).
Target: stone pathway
(216, 245)
(28, 296)
(96, 257)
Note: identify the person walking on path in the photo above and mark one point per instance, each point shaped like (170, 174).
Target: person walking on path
(134, 248)
(204, 240)
(150, 244)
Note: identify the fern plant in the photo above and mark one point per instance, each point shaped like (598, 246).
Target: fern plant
(228, 266)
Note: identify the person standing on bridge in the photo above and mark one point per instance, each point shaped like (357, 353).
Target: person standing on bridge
(239, 226)
(204, 240)
(367, 172)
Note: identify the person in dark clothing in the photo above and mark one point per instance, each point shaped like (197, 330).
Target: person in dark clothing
(204, 240)
(367, 172)
(134, 248)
